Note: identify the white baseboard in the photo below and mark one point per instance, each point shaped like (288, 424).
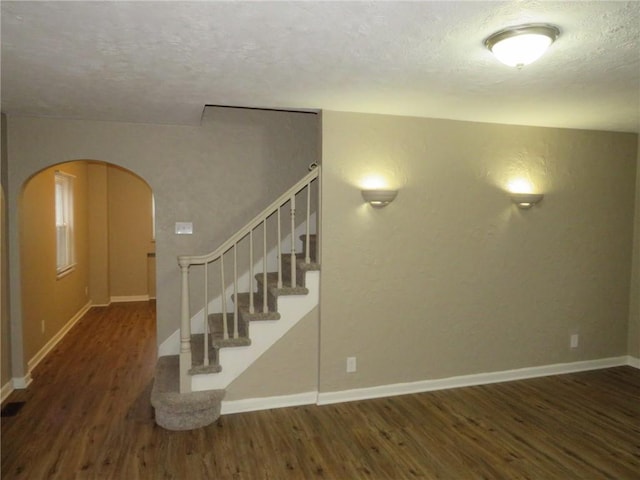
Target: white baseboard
(20, 383)
(130, 298)
(325, 398)
(6, 390)
(309, 398)
(633, 361)
(50, 345)
(267, 403)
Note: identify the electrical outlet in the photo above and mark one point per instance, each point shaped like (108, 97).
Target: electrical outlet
(573, 340)
(351, 364)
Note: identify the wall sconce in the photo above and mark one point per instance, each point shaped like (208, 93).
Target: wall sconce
(379, 198)
(526, 200)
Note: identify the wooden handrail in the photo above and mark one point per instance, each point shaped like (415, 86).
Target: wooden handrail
(257, 220)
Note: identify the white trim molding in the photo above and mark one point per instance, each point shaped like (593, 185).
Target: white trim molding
(633, 361)
(326, 398)
(129, 298)
(310, 398)
(50, 345)
(20, 383)
(7, 389)
(267, 403)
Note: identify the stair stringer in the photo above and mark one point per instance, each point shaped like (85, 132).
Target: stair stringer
(263, 333)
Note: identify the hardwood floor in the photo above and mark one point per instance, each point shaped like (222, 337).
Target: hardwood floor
(87, 416)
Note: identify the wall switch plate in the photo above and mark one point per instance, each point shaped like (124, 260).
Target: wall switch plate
(184, 228)
(573, 340)
(351, 364)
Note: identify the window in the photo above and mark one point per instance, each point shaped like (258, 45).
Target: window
(153, 218)
(64, 223)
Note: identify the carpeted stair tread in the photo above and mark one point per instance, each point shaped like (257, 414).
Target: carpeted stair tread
(181, 411)
(273, 289)
(300, 263)
(231, 342)
(258, 314)
(217, 330)
(301, 268)
(197, 357)
(312, 245)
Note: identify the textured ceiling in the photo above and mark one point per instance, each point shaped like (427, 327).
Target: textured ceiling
(161, 62)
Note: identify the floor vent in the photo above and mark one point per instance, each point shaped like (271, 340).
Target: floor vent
(11, 409)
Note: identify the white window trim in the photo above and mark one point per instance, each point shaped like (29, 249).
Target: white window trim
(68, 210)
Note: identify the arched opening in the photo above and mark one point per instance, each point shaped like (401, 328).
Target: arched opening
(86, 239)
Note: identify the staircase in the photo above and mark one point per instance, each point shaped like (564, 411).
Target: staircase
(189, 387)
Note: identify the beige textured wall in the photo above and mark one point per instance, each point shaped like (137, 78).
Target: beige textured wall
(5, 344)
(218, 176)
(47, 298)
(130, 233)
(98, 233)
(287, 368)
(451, 278)
(634, 304)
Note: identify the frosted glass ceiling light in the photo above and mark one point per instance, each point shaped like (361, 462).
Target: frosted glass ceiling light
(522, 45)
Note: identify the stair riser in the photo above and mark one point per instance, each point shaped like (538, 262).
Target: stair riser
(312, 246)
(216, 326)
(286, 273)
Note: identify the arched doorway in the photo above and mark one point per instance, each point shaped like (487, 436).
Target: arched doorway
(86, 239)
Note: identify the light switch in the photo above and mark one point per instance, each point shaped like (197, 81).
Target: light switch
(184, 228)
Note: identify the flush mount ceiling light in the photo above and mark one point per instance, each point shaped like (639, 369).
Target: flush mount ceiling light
(522, 45)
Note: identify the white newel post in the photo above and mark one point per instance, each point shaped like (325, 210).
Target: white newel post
(185, 329)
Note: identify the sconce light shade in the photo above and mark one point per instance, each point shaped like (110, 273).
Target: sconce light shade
(522, 45)
(379, 198)
(526, 200)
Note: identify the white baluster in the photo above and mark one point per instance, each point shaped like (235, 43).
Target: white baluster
(235, 290)
(225, 327)
(319, 218)
(293, 240)
(265, 307)
(307, 258)
(279, 253)
(251, 307)
(206, 315)
(185, 329)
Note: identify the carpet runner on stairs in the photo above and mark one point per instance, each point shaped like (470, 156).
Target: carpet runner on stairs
(175, 411)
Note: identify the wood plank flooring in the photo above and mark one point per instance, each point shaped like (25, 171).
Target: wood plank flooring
(87, 416)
